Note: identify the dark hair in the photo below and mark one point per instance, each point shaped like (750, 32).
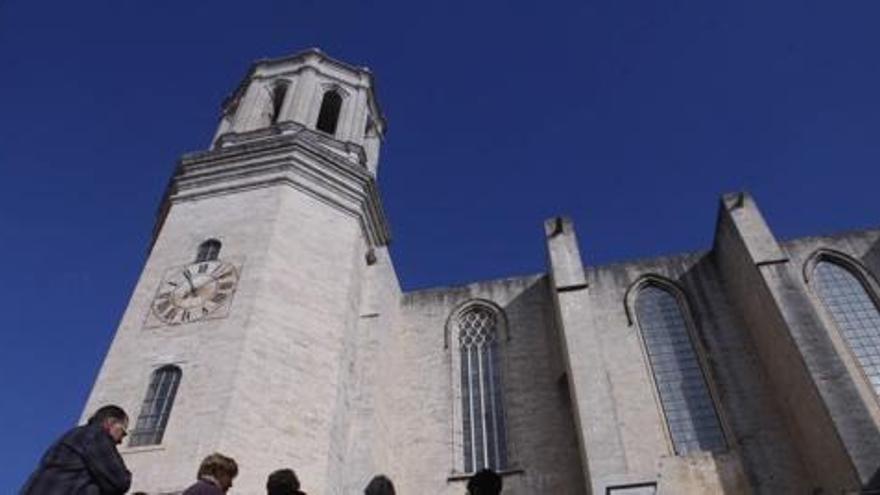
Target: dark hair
(282, 482)
(379, 485)
(485, 482)
(217, 464)
(108, 412)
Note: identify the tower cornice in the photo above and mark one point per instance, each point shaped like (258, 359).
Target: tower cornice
(300, 158)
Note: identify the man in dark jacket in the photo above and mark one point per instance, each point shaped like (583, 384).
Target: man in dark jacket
(215, 476)
(484, 482)
(84, 461)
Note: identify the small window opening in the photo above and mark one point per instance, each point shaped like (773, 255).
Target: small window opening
(329, 115)
(370, 129)
(278, 94)
(208, 251)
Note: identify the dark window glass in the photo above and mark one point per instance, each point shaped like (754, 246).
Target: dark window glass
(156, 408)
(688, 406)
(483, 428)
(208, 251)
(329, 115)
(278, 94)
(855, 314)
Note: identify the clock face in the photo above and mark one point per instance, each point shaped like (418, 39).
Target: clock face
(195, 291)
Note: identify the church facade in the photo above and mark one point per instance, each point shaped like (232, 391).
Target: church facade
(268, 324)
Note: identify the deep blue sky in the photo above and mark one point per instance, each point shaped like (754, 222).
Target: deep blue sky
(630, 116)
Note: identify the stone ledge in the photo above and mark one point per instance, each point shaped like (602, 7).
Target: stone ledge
(300, 160)
(455, 476)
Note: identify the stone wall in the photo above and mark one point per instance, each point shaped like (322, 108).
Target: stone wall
(208, 352)
(756, 436)
(829, 422)
(542, 448)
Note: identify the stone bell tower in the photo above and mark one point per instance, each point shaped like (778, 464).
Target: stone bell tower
(238, 329)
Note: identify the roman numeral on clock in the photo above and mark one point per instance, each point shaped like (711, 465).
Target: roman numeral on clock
(170, 314)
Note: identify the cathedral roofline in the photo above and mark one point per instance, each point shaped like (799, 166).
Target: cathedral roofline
(413, 295)
(419, 295)
(832, 236)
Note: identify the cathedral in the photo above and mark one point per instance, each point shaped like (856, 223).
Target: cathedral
(268, 324)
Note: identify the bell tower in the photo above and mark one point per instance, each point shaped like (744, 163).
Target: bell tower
(240, 331)
(307, 91)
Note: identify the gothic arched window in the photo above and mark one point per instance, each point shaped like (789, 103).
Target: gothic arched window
(156, 408)
(484, 441)
(684, 395)
(208, 250)
(328, 117)
(854, 312)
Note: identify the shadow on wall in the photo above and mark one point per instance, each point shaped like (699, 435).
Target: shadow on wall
(696, 471)
(699, 283)
(542, 438)
(756, 456)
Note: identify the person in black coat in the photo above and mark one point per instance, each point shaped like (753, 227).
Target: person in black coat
(215, 476)
(85, 460)
(379, 485)
(283, 482)
(484, 482)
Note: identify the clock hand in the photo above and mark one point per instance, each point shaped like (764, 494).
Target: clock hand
(188, 277)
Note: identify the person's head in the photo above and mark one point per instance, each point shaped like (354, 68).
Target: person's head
(484, 482)
(379, 485)
(113, 420)
(219, 467)
(282, 482)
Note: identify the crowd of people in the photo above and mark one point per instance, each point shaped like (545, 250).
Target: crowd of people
(85, 461)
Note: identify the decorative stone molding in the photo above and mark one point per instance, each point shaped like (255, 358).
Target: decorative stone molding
(629, 298)
(290, 155)
(835, 256)
(290, 128)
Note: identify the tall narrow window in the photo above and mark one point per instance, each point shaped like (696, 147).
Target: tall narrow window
(279, 91)
(156, 408)
(685, 398)
(208, 250)
(483, 428)
(329, 114)
(855, 314)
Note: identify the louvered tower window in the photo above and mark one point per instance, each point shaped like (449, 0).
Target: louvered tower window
(279, 92)
(328, 116)
(483, 428)
(684, 395)
(855, 314)
(156, 409)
